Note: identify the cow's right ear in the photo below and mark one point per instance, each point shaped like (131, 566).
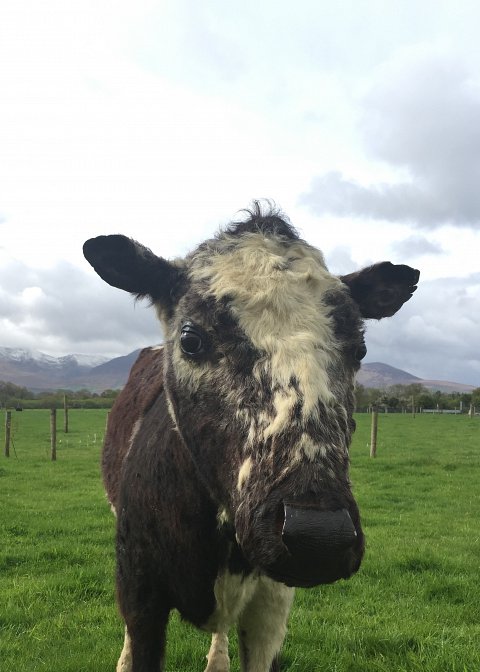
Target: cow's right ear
(127, 265)
(382, 289)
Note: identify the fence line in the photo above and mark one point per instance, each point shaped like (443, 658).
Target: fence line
(8, 427)
(53, 433)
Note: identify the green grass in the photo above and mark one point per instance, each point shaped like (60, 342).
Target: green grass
(414, 606)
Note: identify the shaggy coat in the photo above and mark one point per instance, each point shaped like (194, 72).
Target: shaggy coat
(226, 456)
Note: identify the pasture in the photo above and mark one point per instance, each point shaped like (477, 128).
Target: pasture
(414, 606)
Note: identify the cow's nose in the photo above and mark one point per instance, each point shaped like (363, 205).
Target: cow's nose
(306, 530)
(320, 547)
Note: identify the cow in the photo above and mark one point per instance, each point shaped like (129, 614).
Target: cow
(226, 459)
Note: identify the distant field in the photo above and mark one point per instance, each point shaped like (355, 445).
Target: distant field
(413, 607)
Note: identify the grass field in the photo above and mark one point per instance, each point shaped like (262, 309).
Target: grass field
(414, 606)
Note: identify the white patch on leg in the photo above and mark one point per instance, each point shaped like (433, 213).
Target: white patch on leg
(218, 659)
(125, 661)
(260, 608)
(263, 624)
(232, 593)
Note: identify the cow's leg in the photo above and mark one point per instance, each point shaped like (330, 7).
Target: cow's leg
(218, 660)
(145, 610)
(125, 661)
(144, 648)
(263, 625)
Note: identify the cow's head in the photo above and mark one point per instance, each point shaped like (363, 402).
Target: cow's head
(262, 346)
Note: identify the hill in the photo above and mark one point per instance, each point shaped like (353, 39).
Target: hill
(37, 371)
(377, 374)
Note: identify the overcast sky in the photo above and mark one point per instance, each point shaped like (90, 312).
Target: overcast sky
(161, 120)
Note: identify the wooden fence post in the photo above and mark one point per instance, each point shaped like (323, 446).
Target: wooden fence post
(53, 432)
(8, 425)
(65, 414)
(373, 435)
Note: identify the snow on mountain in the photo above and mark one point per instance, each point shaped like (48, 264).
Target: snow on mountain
(38, 371)
(25, 355)
(88, 360)
(22, 355)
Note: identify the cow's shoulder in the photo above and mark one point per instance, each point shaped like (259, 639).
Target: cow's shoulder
(143, 387)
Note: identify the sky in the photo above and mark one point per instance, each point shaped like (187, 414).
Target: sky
(161, 120)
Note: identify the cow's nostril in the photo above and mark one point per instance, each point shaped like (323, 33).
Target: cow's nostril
(280, 519)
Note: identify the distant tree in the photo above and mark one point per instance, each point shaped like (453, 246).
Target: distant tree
(475, 399)
(466, 399)
(110, 394)
(83, 394)
(366, 396)
(425, 400)
(11, 394)
(414, 390)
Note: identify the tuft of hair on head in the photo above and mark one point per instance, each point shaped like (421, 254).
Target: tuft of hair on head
(263, 216)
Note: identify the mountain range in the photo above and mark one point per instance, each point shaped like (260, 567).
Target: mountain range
(377, 374)
(37, 371)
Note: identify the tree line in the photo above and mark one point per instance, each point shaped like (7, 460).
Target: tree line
(415, 395)
(396, 397)
(15, 396)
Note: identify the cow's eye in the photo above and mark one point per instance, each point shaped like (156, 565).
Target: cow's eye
(191, 341)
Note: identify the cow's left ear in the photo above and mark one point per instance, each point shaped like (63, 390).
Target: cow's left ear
(128, 265)
(382, 289)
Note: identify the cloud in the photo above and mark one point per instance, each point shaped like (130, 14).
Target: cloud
(340, 261)
(332, 193)
(63, 310)
(416, 246)
(420, 117)
(435, 334)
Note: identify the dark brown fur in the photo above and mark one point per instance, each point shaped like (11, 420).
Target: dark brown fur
(144, 385)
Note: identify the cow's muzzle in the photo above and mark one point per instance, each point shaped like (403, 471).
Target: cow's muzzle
(322, 547)
(317, 546)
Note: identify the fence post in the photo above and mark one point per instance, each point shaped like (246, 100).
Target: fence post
(53, 432)
(373, 435)
(8, 425)
(65, 414)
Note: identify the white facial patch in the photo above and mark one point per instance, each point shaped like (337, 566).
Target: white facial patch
(276, 291)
